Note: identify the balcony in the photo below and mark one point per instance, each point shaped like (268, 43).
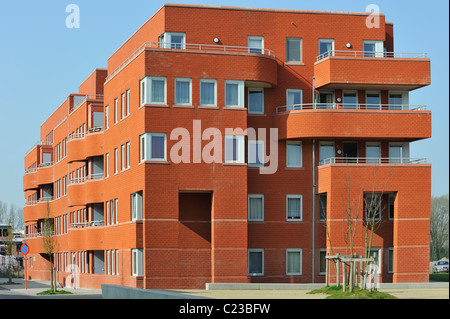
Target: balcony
(83, 145)
(410, 122)
(371, 70)
(85, 190)
(372, 160)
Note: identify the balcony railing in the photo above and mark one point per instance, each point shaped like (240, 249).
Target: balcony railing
(350, 106)
(373, 160)
(86, 178)
(80, 99)
(39, 234)
(94, 223)
(229, 49)
(371, 54)
(83, 134)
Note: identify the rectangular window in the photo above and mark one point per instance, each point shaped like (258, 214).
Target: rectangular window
(350, 100)
(294, 99)
(124, 107)
(136, 206)
(373, 151)
(256, 262)
(391, 259)
(153, 90)
(234, 148)
(116, 110)
(326, 48)
(183, 91)
(255, 207)
(391, 205)
(116, 210)
(116, 160)
(322, 261)
(373, 49)
(128, 103)
(137, 262)
(106, 117)
(256, 153)
(128, 154)
(123, 156)
(172, 40)
(107, 165)
(294, 154)
(326, 153)
(373, 100)
(294, 207)
(372, 205)
(255, 44)
(293, 261)
(234, 93)
(398, 100)
(256, 100)
(294, 50)
(208, 92)
(323, 206)
(153, 147)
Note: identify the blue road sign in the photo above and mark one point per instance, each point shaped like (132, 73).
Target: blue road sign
(24, 249)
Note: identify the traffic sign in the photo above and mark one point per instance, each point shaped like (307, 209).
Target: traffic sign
(24, 249)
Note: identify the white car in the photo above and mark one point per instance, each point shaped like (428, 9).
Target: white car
(441, 266)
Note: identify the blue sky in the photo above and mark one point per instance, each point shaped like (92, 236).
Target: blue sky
(42, 61)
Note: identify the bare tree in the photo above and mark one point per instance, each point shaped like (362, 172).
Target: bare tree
(439, 227)
(49, 245)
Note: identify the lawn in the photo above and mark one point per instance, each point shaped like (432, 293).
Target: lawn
(335, 292)
(51, 292)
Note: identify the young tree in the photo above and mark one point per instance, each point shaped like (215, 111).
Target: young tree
(439, 227)
(49, 244)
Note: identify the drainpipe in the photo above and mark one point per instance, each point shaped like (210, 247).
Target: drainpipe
(313, 186)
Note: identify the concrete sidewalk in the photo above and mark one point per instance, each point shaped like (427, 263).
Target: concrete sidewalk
(18, 291)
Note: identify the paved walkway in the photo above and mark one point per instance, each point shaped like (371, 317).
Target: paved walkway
(18, 291)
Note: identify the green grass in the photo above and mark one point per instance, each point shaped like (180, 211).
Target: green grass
(335, 292)
(439, 277)
(51, 292)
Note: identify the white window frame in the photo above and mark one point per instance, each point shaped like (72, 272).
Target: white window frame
(295, 143)
(146, 141)
(128, 146)
(188, 80)
(390, 270)
(146, 90)
(240, 97)
(137, 262)
(137, 206)
(259, 155)
(215, 91)
(106, 117)
(106, 165)
(240, 142)
(373, 159)
(326, 41)
(122, 148)
(248, 95)
(288, 39)
(379, 48)
(116, 110)
(123, 96)
(128, 102)
(294, 106)
(116, 160)
(257, 38)
(294, 196)
(165, 40)
(257, 196)
(294, 250)
(255, 250)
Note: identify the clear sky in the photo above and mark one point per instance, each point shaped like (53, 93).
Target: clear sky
(42, 62)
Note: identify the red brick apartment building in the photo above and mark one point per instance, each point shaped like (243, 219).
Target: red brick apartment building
(132, 206)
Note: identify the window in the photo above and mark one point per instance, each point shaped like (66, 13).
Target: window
(153, 147)
(373, 100)
(326, 47)
(323, 206)
(208, 92)
(153, 90)
(116, 160)
(375, 252)
(124, 106)
(256, 100)
(183, 91)
(234, 93)
(172, 40)
(326, 152)
(373, 153)
(116, 210)
(234, 148)
(391, 205)
(256, 153)
(391, 259)
(372, 204)
(373, 49)
(322, 261)
(106, 165)
(395, 153)
(294, 154)
(128, 103)
(255, 44)
(294, 50)
(256, 262)
(106, 117)
(123, 156)
(128, 154)
(294, 99)
(293, 261)
(350, 100)
(294, 207)
(398, 100)
(137, 262)
(136, 206)
(255, 207)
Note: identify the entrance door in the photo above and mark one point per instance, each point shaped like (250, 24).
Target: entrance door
(350, 152)
(326, 99)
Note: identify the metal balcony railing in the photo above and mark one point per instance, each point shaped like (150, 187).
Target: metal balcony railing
(76, 136)
(373, 160)
(350, 106)
(371, 54)
(86, 178)
(94, 223)
(228, 49)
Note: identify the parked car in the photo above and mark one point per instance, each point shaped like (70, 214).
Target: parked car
(440, 266)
